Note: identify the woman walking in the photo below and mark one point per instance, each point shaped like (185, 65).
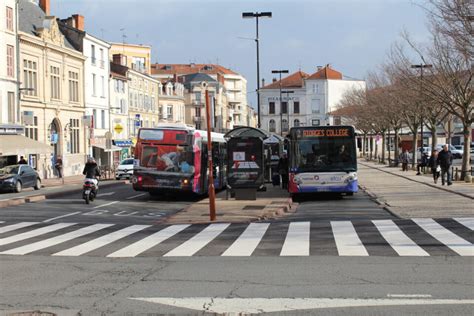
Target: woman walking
(435, 167)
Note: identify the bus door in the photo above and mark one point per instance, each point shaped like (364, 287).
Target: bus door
(204, 164)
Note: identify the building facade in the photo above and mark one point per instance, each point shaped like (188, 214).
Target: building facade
(301, 99)
(135, 57)
(171, 102)
(9, 112)
(52, 98)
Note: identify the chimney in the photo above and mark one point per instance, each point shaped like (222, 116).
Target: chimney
(263, 82)
(274, 80)
(319, 68)
(45, 6)
(78, 21)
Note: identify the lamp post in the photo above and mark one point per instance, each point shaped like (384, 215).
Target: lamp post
(212, 194)
(288, 92)
(256, 15)
(280, 71)
(421, 67)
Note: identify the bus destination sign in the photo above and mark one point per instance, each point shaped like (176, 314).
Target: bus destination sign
(338, 132)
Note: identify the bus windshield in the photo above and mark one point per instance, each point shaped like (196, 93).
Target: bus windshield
(170, 158)
(324, 154)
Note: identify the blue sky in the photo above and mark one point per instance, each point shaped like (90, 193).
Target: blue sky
(354, 36)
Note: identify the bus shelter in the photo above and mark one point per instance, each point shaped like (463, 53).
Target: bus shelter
(246, 161)
(273, 146)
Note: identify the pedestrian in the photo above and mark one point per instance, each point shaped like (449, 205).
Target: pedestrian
(435, 168)
(405, 158)
(283, 170)
(445, 160)
(22, 161)
(58, 165)
(423, 162)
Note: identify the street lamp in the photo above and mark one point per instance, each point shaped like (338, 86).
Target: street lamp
(256, 15)
(281, 71)
(421, 67)
(288, 92)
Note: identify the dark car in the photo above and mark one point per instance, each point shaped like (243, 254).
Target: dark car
(17, 177)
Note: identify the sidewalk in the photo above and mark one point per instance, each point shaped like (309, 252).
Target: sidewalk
(274, 202)
(407, 195)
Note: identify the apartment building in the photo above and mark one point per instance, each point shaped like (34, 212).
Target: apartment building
(171, 101)
(137, 57)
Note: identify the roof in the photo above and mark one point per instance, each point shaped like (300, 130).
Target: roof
(31, 18)
(184, 69)
(326, 73)
(247, 131)
(295, 80)
(197, 77)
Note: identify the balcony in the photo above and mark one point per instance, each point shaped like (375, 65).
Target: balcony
(197, 103)
(197, 119)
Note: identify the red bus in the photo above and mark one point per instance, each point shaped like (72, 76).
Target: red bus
(173, 158)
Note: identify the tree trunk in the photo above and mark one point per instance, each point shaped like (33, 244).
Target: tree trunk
(466, 154)
(396, 147)
(414, 145)
(434, 139)
(364, 144)
(383, 147)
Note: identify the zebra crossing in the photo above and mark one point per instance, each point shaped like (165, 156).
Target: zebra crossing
(419, 237)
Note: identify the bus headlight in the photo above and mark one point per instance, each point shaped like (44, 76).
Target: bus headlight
(297, 180)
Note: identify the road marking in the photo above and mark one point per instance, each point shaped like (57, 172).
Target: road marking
(197, 242)
(297, 240)
(16, 226)
(410, 295)
(445, 236)
(400, 242)
(466, 221)
(146, 243)
(106, 204)
(246, 243)
(101, 241)
(135, 196)
(55, 240)
(106, 194)
(34, 233)
(347, 240)
(239, 306)
(62, 216)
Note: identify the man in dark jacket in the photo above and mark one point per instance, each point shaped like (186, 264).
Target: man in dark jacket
(283, 170)
(445, 160)
(91, 170)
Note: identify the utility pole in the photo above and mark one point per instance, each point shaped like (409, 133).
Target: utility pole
(212, 193)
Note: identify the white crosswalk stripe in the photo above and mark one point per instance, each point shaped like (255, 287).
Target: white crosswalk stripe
(347, 240)
(445, 236)
(197, 242)
(73, 239)
(9, 228)
(297, 240)
(148, 242)
(247, 241)
(400, 242)
(466, 221)
(34, 233)
(55, 240)
(101, 241)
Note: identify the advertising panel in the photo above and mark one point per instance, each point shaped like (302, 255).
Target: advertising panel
(246, 166)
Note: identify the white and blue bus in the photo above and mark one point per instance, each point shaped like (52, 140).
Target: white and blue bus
(322, 159)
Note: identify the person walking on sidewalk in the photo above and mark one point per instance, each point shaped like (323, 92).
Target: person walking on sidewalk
(433, 163)
(22, 161)
(58, 165)
(405, 158)
(283, 170)
(423, 162)
(445, 160)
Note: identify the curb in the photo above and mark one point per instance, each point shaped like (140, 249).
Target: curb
(425, 183)
(385, 205)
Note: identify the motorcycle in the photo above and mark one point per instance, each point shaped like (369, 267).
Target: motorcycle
(89, 190)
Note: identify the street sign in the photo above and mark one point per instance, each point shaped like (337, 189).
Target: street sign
(118, 128)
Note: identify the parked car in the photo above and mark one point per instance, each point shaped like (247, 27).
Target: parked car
(456, 152)
(16, 177)
(125, 169)
(425, 149)
(459, 147)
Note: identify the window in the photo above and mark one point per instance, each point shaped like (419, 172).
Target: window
(271, 108)
(337, 120)
(10, 61)
(102, 86)
(284, 107)
(94, 118)
(284, 126)
(93, 60)
(94, 90)
(170, 112)
(296, 107)
(73, 86)
(315, 122)
(272, 126)
(31, 131)
(123, 106)
(30, 77)
(197, 96)
(101, 51)
(102, 118)
(74, 135)
(11, 107)
(55, 83)
(315, 106)
(296, 123)
(9, 18)
(197, 112)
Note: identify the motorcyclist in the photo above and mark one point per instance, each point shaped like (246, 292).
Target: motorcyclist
(91, 171)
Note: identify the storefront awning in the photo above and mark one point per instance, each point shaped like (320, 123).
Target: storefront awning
(104, 148)
(19, 145)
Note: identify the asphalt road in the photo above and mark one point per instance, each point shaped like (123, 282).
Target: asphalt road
(82, 266)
